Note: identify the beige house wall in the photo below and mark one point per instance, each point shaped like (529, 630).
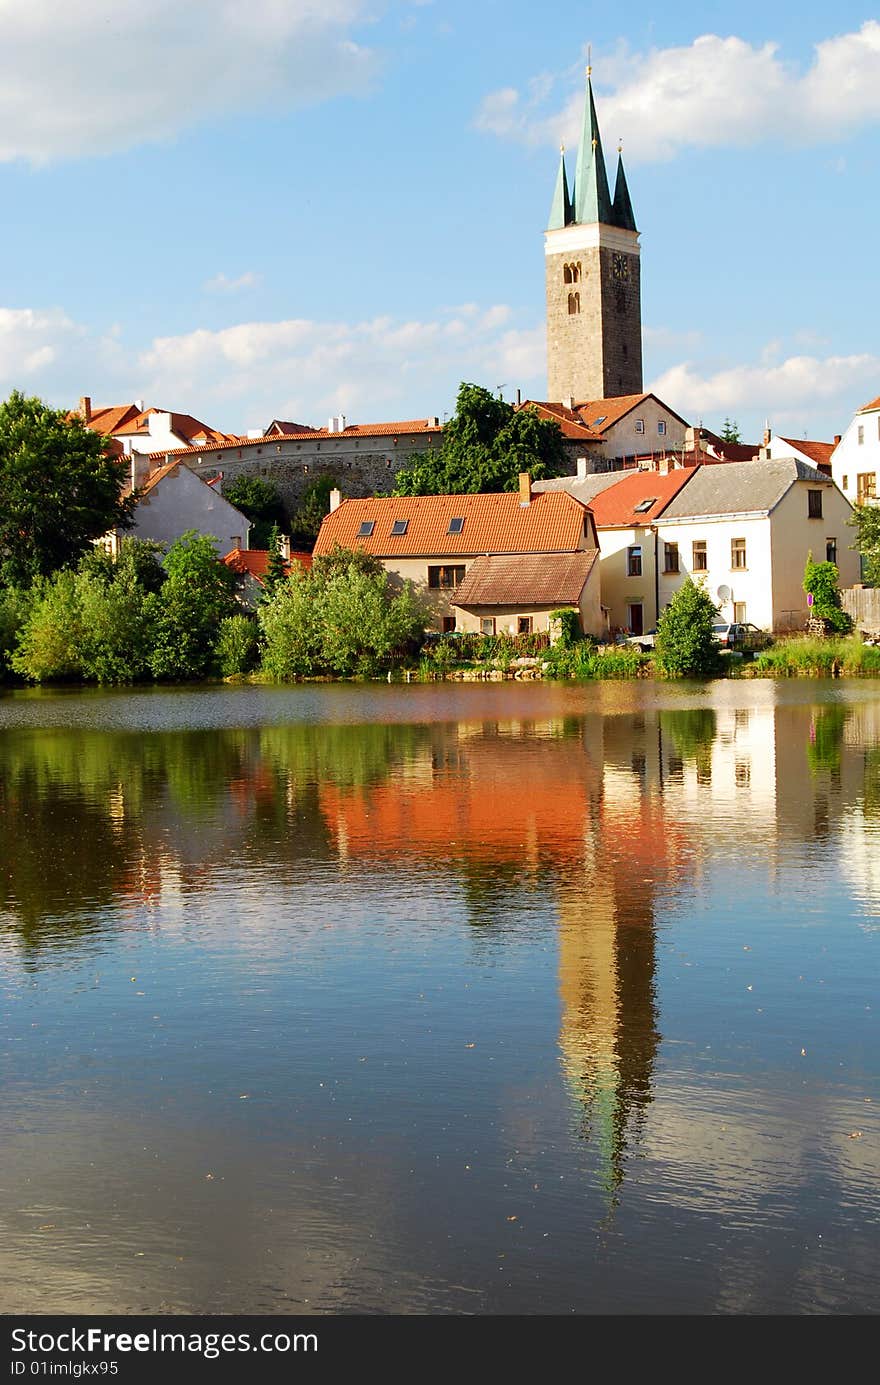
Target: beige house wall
(624, 439)
(439, 600)
(619, 590)
(795, 536)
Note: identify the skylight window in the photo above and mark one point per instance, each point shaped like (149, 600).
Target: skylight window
(597, 421)
(644, 505)
(366, 529)
(399, 527)
(456, 524)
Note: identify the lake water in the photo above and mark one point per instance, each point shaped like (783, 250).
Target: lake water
(473, 999)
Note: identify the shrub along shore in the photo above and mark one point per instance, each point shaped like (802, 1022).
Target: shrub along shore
(142, 615)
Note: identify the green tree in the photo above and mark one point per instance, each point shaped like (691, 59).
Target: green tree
(59, 489)
(820, 582)
(276, 569)
(685, 644)
(237, 640)
(730, 432)
(344, 617)
(259, 502)
(485, 446)
(15, 606)
(198, 593)
(307, 520)
(866, 520)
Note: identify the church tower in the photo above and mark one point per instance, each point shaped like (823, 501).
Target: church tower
(594, 311)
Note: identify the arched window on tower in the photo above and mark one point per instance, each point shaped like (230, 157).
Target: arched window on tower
(576, 273)
(574, 304)
(566, 274)
(571, 273)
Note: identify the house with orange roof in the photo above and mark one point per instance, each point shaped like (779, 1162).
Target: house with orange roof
(251, 566)
(136, 432)
(814, 453)
(485, 563)
(625, 507)
(615, 433)
(173, 500)
(855, 461)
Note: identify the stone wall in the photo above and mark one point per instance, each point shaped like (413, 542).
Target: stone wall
(358, 466)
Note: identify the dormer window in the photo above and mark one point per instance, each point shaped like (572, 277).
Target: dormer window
(399, 527)
(366, 529)
(456, 524)
(644, 506)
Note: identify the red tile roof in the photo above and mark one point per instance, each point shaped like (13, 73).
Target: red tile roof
(532, 579)
(552, 523)
(110, 419)
(256, 561)
(615, 508)
(867, 408)
(819, 453)
(158, 475)
(598, 415)
(183, 425)
(569, 423)
(354, 430)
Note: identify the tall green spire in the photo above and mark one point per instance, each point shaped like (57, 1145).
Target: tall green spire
(622, 211)
(592, 198)
(561, 211)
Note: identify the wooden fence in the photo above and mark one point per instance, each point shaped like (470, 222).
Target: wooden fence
(862, 605)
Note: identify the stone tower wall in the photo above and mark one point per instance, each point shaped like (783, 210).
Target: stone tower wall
(595, 353)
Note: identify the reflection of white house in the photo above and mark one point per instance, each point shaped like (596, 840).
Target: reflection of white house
(855, 462)
(747, 531)
(174, 500)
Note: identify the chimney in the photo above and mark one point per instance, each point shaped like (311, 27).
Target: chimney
(335, 500)
(140, 469)
(235, 541)
(582, 468)
(836, 439)
(284, 546)
(341, 422)
(568, 402)
(518, 397)
(331, 424)
(525, 488)
(766, 437)
(139, 405)
(434, 421)
(85, 408)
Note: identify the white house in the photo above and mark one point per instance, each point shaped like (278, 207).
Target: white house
(747, 531)
(855, 462)
(174, 500)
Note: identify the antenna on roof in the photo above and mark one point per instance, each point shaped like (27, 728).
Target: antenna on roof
(499, 388)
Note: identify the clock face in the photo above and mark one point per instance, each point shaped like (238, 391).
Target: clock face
(620, 267)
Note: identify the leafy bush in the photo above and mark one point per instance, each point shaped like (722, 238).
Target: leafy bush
(584, 660)
(237, 645)
(685, 643)
(186, 613)
(821, 582)
(344, 616)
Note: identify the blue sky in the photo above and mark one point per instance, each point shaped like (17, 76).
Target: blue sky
(291, 208)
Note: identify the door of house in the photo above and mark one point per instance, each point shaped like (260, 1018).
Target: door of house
(636, 619)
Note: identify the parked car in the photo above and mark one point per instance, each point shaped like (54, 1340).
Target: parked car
(740, 635)
(645, 641)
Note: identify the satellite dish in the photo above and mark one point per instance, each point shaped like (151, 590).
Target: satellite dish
(724, 593)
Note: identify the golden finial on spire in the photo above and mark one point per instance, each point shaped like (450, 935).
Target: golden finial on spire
(620, 145)
(562, 147)
(589, 60)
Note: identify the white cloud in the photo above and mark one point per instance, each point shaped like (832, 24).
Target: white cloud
(789, 391)
(30, 341)
(92, 78)
(715, 91)
(239, 377)
(221, 283)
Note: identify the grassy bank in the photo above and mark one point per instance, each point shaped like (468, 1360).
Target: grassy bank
(804, 656)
